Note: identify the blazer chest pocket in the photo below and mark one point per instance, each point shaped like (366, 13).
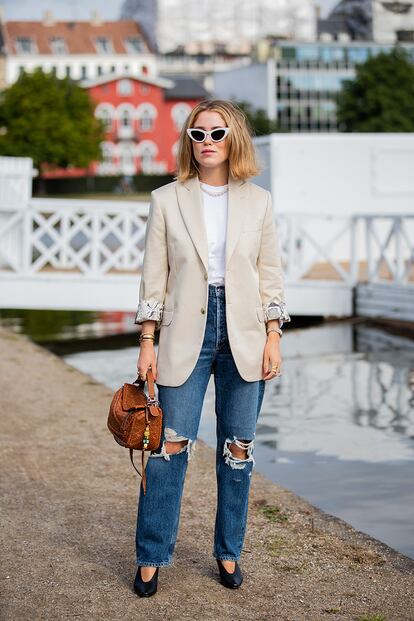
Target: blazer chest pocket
(167, 316)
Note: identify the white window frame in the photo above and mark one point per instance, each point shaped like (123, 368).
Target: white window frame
(18, 44)
(125, 87)
(174, 148)
(179, 114)
(121, 109)
(101, 48)
(58, 46)
(105, 112)
(130, 47)
(127, 153)
(146, 113)
(147, 151)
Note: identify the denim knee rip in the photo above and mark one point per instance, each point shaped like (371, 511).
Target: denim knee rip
(235, 462)
(172, 436)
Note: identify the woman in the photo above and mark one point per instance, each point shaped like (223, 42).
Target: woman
(212, 284)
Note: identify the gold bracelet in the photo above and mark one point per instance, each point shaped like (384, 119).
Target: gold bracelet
(147, 336)
(278, 330)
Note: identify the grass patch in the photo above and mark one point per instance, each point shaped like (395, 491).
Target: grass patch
(273, 513)
(371, 618)
(275, 546)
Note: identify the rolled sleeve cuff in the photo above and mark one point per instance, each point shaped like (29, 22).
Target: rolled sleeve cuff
(276, 310)
(149, 310)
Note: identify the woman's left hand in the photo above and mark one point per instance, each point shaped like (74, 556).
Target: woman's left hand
(272, 357)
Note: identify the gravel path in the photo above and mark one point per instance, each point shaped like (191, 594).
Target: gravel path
(68, 511)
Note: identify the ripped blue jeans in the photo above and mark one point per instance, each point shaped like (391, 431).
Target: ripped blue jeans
(237, 406)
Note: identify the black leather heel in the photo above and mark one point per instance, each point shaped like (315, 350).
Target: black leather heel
(231, 581)
(146, 589)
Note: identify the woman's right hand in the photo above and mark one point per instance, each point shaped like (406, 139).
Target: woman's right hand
(147, 358)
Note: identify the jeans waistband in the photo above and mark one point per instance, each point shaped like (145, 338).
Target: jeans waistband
(216, 291)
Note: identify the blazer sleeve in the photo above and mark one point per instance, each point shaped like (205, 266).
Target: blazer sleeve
(270, 270)
(154, 269)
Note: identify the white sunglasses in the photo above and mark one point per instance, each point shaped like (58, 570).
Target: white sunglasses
(200, 135)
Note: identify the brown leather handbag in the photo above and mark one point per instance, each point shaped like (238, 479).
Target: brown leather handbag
(135, 419)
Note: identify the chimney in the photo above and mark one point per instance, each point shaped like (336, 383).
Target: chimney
(96, 19)
(48, 19)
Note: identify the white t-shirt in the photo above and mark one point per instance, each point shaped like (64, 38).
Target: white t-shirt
(215, 218)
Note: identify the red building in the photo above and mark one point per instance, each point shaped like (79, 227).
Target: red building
(143, 117)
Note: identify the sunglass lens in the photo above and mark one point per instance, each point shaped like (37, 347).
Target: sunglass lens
(218, 134)
(197, 135)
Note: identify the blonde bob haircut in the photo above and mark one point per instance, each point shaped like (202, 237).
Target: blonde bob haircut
(242, 157)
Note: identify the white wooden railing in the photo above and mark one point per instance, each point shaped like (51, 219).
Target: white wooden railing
(390, 248)
(75, 253)
(318, 246)
(89, 237)
(94, 238)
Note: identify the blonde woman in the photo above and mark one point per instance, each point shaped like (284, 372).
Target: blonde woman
(212, 284)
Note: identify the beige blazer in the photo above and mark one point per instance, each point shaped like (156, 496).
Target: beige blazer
(174, 283)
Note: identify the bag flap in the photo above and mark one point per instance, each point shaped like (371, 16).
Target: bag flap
(133, 397)
(155, 410)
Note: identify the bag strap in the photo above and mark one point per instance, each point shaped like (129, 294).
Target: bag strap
(150, 380)
(143, 476)
(151, 391)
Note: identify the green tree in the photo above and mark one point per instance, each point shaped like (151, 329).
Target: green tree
(380, 98)
(50, 120)
(258, 119)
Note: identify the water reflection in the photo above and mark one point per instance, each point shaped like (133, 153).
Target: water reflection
(53, 326)
(336, 427)
(352, 406)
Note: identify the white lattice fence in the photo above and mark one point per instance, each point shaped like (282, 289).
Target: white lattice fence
(318, 246)
(390, 248)
(86, 237)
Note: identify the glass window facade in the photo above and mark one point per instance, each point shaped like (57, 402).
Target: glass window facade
(308, 76)
(331, 54)
(358, 55)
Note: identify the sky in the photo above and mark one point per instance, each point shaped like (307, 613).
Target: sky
(81, 9)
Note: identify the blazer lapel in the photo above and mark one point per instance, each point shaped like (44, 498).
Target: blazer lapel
(236, 212)
(190, 202)
(191, 207)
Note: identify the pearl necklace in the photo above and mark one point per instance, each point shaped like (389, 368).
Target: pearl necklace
(214, 193)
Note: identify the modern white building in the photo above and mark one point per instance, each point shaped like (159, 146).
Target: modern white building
(392, 21)
(238, 23)
(77, 49)
(297, 84)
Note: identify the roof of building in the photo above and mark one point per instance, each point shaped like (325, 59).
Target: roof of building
(176, 86)
(111, 77)
(185, 88)
(79, 36)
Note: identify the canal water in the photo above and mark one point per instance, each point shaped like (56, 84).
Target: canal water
(337, 427)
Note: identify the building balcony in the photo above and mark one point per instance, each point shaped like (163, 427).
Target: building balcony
(126, 132)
